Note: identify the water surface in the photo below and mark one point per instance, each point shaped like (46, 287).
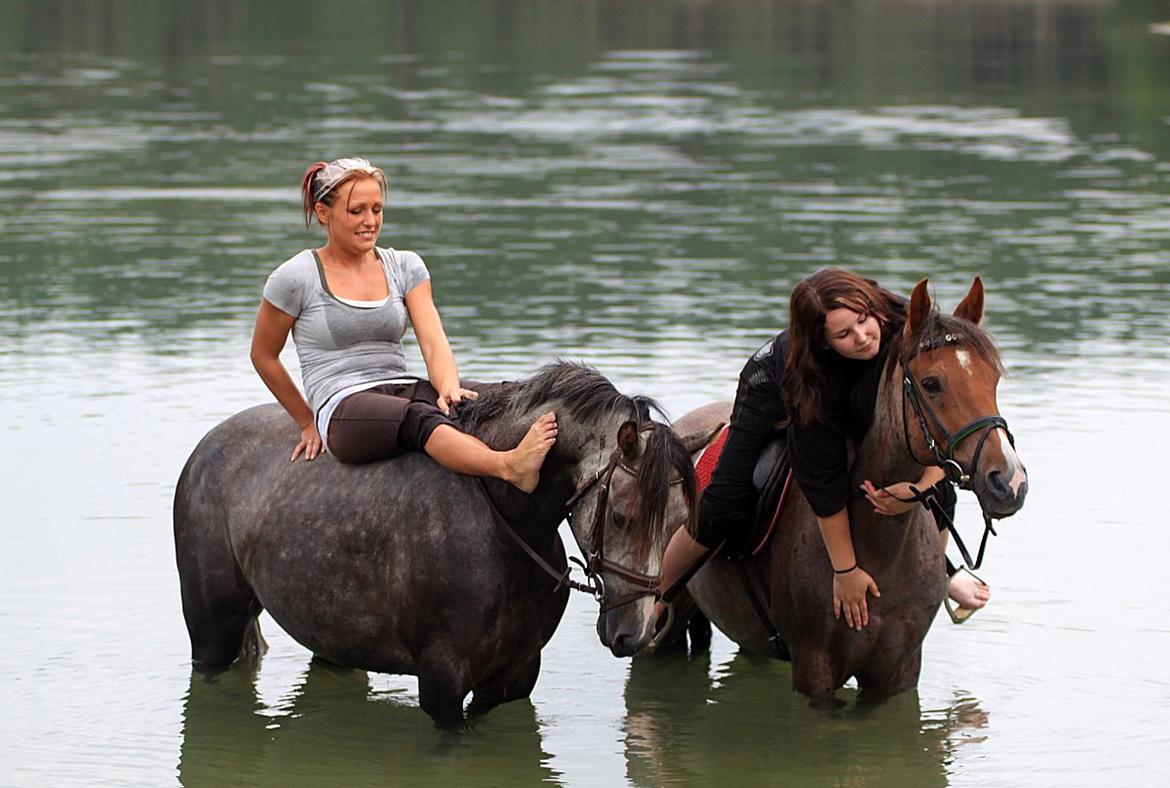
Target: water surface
(637, 186)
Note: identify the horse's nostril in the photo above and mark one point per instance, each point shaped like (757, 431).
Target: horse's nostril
(996, 482)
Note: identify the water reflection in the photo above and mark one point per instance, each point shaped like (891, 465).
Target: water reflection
(332, 729)
(684, 725)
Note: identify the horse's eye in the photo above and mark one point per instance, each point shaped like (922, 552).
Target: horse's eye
(931, 385)
(619, 519)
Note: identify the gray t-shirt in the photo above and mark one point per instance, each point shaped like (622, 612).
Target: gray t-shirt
(340, 345)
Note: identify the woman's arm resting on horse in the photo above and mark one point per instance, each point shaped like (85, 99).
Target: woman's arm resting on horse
(436, 350)
(898, 498)
(849, 586)
(268, 338)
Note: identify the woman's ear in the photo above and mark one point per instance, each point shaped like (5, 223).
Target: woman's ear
(322, 212)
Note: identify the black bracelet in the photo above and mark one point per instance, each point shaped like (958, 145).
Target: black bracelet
(845, 571)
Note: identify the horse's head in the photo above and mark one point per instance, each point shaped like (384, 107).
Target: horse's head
(950, 417)
(644, 491)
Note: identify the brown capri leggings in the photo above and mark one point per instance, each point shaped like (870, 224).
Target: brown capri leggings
(385, 421)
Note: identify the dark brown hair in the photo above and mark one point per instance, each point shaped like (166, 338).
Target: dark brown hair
(805, 381)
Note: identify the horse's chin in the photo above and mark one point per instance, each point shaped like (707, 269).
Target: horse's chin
(998, 498)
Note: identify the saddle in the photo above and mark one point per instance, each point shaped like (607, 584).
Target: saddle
(772, 479)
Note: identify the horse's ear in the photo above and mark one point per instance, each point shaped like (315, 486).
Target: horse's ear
(919, 309)
(971, 307)
(627, 439)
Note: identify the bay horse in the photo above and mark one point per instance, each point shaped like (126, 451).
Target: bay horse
(936, 404)
(403, 567)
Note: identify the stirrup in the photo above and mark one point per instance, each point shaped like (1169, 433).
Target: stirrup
(664, 630)
(958, 613)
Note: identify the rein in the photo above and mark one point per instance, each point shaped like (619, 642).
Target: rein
(562, 578)
(596, 563)
(955, 474)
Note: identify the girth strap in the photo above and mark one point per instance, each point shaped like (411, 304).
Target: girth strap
(755, 594)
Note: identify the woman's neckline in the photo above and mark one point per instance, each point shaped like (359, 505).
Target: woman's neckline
(359, 303)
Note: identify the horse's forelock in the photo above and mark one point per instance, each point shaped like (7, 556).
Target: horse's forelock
(664, 459)
(941, 330)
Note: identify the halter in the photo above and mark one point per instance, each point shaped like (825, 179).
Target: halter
(946, 458)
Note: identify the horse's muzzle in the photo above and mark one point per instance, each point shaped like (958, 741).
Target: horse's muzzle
(1001, 492)
(625, 631)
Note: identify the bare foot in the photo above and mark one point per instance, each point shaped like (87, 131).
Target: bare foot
(968, 592)
(522, 464)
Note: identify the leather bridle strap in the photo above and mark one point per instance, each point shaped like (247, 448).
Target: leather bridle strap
(562, 578)
(596, 562)
(929, 499)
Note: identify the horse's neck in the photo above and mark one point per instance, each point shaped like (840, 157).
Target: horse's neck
(882, 457)
(579, 451)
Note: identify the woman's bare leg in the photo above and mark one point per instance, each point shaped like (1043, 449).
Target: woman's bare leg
(463, 453)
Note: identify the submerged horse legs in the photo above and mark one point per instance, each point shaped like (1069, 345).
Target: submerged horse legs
(219, 605)
(442, 685)
(815, 675)
(516, 684)
(222, 623)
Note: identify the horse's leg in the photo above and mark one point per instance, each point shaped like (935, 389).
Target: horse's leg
(880, 681)
(442, 685)
(222, 622)
(517, 683)
(813, 675)
(219, 605)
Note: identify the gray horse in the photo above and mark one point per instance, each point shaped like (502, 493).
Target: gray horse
(403, 567)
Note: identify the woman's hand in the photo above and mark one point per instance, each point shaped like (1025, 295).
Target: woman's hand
(849, 591)
(311, 443)
(454, 396)
(886, 501)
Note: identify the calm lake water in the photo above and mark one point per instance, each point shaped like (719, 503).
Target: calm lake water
(637, 185)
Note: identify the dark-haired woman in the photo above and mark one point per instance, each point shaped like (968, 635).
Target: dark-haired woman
(815, 384)
(346, 305)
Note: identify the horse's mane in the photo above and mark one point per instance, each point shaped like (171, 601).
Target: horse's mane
(941, 330)
(589, 397)
(586, 393)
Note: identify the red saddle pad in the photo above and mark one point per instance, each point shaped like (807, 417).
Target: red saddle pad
(705, 467)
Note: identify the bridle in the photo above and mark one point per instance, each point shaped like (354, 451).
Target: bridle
(945, 458)
(596, 563)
